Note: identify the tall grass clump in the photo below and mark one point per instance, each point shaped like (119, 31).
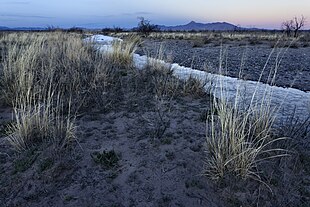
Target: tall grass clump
(41, 121)
(47, 78)
(122, 52)
(236, 138)
(33, 60)
(240, 134)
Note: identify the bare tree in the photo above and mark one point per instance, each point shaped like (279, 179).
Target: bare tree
(287, 26)
(298, 23)
(145, 27)
(294, 25)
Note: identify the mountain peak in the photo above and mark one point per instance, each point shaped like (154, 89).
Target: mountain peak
(192, 25)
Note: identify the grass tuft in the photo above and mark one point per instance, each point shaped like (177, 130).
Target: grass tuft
(240, 135)
(121, 54)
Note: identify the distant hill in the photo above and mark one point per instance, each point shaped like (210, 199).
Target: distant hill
(4, 28)
(20, 28)
(216, 26)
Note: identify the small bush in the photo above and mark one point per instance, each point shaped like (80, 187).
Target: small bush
(25, 161)
(107, 159)
(199, 42)
(294, 45)
(145, 27)
(254, 41)
(45, 164)
(195, 87)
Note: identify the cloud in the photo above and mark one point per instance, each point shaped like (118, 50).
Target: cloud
(100, 16)
(119, 15)
(16, 2)
(25, 16)
(137, 13)
(90, 24)
(143, 13)
(8, 20)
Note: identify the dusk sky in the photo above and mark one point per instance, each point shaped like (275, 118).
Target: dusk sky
(124, 13)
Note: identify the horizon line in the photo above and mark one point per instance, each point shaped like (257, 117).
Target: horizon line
(96, 26)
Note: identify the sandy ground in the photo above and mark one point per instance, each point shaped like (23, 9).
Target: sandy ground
(137, 150)
(152, 169)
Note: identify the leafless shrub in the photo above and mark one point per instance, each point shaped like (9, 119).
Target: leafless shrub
(294, 25)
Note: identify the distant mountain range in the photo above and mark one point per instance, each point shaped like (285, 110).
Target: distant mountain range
(216, 26)
(191, 26)
(4, 28)
(20, 28)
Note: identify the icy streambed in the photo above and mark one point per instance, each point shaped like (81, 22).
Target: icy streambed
(286, 101)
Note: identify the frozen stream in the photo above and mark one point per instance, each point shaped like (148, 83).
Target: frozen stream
(286, 101)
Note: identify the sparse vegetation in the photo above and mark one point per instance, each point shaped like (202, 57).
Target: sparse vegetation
(59, 89)
(106, 159)
(145, 27)
(47, 78)
(199, 42)
(215, 38)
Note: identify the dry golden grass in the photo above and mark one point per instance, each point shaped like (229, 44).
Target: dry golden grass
(236, 138)
(167, 85)
(36, 61)
(239, 135)
(121, 54)
(48, 77)
(200, 39)
(39, 121)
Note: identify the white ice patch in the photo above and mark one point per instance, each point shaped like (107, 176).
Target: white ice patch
(102, 39)
(102, 42)
(140, 62)
(285, 101)
(105, 48)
